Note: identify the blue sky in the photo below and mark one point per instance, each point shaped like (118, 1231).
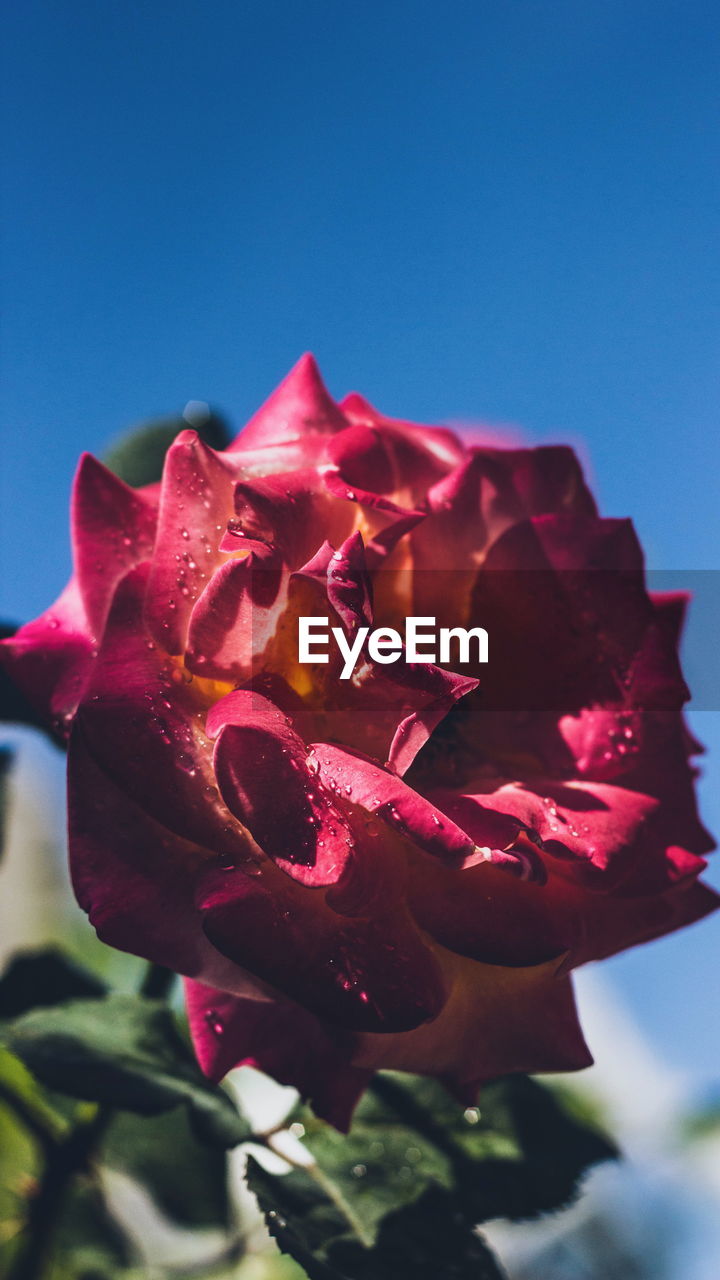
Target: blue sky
(503, 210)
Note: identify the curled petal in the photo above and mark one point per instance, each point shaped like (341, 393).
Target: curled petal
(384, 794)
(50, 659)
(235, 617)
(439, 690)
(138, 887)
(143, 720)
(358, 973)
(195, 502)
(279, 1038)
(261, 769)
(113, 530)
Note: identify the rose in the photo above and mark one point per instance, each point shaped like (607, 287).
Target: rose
(397, 870)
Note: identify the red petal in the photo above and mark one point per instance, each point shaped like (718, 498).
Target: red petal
(277, 1037)
(50, 659)
(301, 407)
(358, 973)
(144, 723)
(235, 617)
(261, 769)
(195, 504)
(113, 530)
(135, 878)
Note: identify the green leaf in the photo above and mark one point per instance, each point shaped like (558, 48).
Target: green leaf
(522, 1152)
(43, 978)
(20, 1167)
(138, 457)
(30, 1104)
(403, 1192)
(186, 1178)
(125, 1052)
(382, 1164)
(429, 1240)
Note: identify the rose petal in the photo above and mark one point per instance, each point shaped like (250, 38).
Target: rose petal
(144, 722)
(50, 659)
(279, 1038)
(384, 794)
(496, 1020)
(300, 408)
(195, 504)
(138, 887)
(261, 769)
(113, 530)
(235, 617)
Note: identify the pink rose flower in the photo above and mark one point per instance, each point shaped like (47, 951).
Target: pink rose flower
(399, 869)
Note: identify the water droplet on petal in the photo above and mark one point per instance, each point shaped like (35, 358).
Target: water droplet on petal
(215, 1022)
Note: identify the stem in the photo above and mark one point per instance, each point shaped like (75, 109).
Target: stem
(64, 1161)
(64, 1158)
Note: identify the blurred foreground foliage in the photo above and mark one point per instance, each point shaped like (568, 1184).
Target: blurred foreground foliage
(96, 1084)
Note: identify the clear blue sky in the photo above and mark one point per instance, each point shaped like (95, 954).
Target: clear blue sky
(495, 209)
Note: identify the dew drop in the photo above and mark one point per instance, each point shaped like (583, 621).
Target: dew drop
(359, 1170)
(215, 1022)
(471, 1115)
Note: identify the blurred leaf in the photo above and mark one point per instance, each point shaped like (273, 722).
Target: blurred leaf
(403, 1191)
(14, 706)
(45, 977)
(127, 1052)
(20, 1167)
(89, 1244)
(28, 1101)
(186, 1178)
(703, 1122)
(138, 457)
